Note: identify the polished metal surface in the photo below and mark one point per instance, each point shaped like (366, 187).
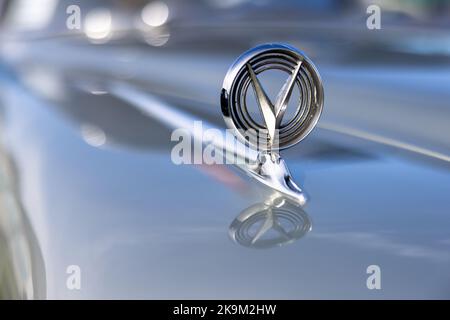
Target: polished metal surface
(267, 168)
(86, 177)
(104, 204)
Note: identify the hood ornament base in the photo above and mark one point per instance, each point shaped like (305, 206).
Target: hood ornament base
(271, 170)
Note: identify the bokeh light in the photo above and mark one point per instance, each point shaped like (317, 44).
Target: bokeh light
(155, 14)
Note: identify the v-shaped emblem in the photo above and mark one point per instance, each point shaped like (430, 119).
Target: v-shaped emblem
(273, 114)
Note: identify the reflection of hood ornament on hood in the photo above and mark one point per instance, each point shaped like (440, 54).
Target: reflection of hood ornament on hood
(276, 222)
(275, 132)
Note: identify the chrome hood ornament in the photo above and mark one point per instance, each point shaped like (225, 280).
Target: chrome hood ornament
(275, 132)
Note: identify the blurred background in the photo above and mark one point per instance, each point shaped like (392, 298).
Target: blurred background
(182, 49)
(407, 27)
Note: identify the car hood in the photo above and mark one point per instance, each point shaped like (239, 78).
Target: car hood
(92, 178)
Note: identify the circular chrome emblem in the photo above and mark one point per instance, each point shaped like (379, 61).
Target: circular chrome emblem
(280, 133)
